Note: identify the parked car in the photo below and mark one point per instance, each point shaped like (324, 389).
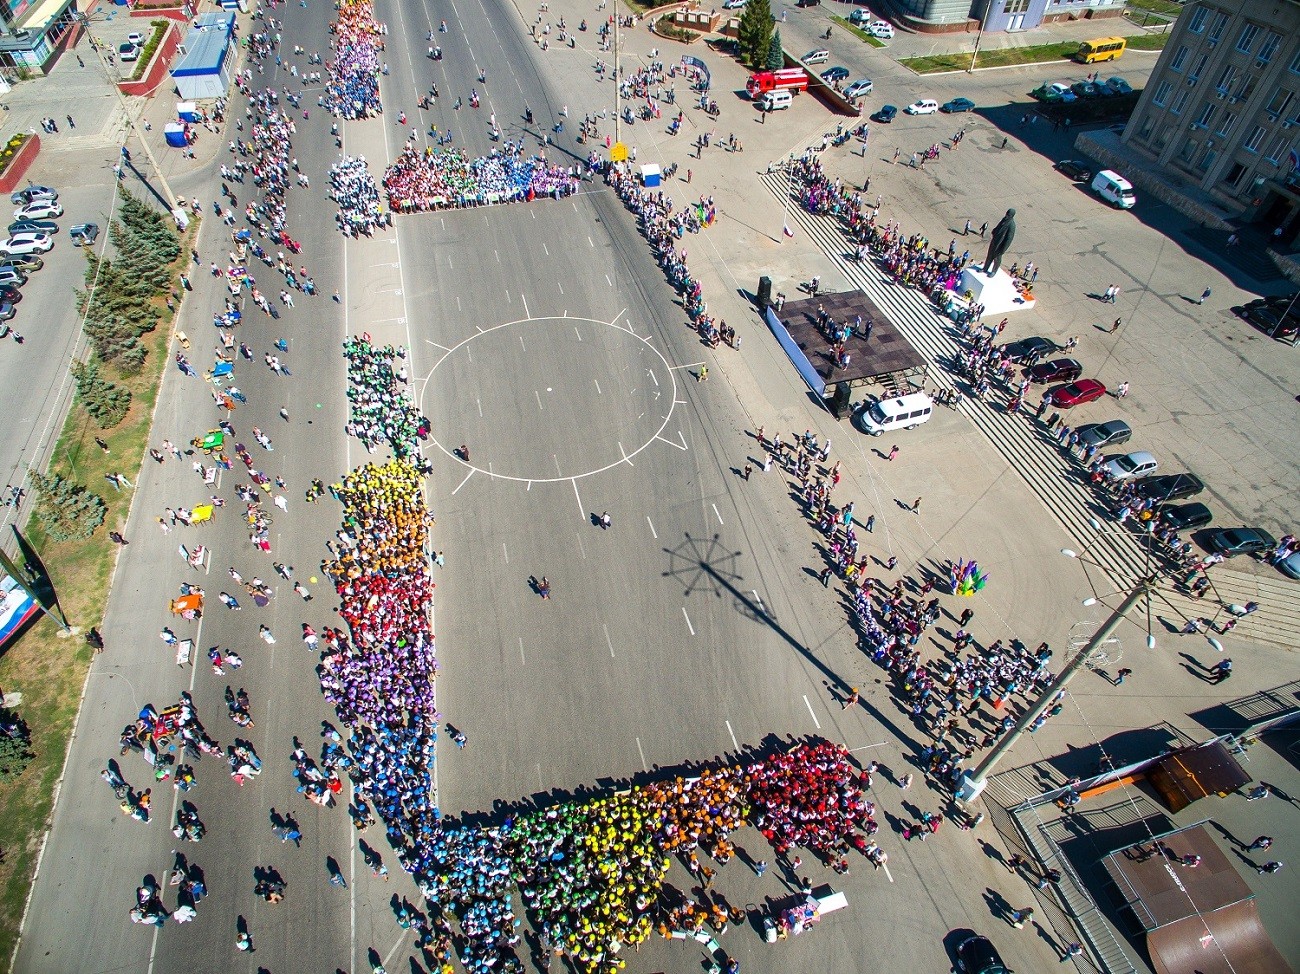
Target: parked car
(881, 30)
(26, 243)
(24, 262)
(1169, 487)
(10, 293)
(1028, 351)
(1274, 321)
(1290, 565)
(7, 310)
(1131, 466)
(922, 106)
(1242, 541)
(837, 73)
(1080, 172)
(1119, 86)
(1086, 89)
(977, 955)
(1111, 433)
(957, 105)
(129, 52)
(1185, 517)
(886, 114)
(1057, 370)
(1077, 393)
(859, 17)
(33, 226)
(808, 3)
(84, 234)
(1054, 91)
(39, 210)
(136, 38)
(12, 277)
(859, 89)
(819, 56)
(29, 194)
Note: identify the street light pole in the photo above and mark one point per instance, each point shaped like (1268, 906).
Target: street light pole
(973, 782)
(618, 114)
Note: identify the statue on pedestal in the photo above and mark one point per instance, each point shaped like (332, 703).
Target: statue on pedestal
(1000, 242)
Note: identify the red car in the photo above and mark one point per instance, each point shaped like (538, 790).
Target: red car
(1057, 370)
(1077, 393)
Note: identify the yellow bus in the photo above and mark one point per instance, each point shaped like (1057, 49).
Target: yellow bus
(1100, 49)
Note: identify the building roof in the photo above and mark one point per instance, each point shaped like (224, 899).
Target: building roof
(885, 352)
(1189, 774)
(205, 45)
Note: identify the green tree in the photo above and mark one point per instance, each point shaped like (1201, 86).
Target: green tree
(775, 52)
(107, 402)
(67, 509)
(15, 746)
(116, 342)
(150, 226)
(755, 33)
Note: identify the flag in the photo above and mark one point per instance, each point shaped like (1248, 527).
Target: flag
(787, 231)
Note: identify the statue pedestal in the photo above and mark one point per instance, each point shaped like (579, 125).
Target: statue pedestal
(998, 293)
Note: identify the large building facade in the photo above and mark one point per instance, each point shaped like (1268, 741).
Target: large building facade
(1002, 15)
(1221, 110)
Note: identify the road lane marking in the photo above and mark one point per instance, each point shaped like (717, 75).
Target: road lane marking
(692, 628)
(624, 452)
(582, 512)
(608, 281)
(759, 599)
(652, 527)
(539, 404)
(816, 722)
(465, 481)
(521, 651)
(581, 547)
(653, 377)
(680, 446)
(598, 392)
(480, 407)
(607, 640)
(734, 743)
(505, 553)
(644, 767)
(525, 301)
(716, 514)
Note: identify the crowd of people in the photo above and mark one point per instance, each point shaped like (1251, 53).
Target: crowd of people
(423, 179)
(352, 90)
(355, 191)
(382, 412)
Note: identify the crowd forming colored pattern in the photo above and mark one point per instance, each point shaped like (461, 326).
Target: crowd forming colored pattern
(429, 179)
(353, 88)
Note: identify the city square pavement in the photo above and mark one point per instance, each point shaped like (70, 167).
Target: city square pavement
(543, 337)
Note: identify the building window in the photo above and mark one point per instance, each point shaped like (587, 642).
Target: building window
(1198, 66)
(1246, 39)
(1279, 102)
(1227, 123)
(1144, 131)
(1180, 102)
(1179, 57)
(1207, 160)
(1015, 6)
(1206, 116)
(1247, 88)
(1234, 174)
(1271, 43)
(1226, 78)
(1216, 31)
(1256, 139)
(1162, 92)
(1278, 149)
(1197, 24)
(1189, 150)
(1295, 63)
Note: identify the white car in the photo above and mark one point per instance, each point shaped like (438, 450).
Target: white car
(26, 243)
(924, 106)
(859, 17)
(882, 30)
(858, 89)
(733, 4)
(128, 52)
(1131, 466)
(819, 56)
(39, 210)
(136, 38)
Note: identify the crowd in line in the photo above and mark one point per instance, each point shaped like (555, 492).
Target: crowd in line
(428, 179)
(352, 90)
(355, 191)
(382, 412)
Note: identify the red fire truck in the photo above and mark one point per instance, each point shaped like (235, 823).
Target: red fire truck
(787, 79)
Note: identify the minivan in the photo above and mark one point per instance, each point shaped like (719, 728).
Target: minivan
(775, 99)
(903, 413)
(1114, 189)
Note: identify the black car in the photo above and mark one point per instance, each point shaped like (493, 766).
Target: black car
(886, 114)
(837, 73)
(1169, 487)
(1058, 370)
(977, 955)
(10, 293)
(33, 226)
(1242, 541)
(1274, 321)
(1080, 172)
(1027, 351)
(1111, 433)
(1185, 517)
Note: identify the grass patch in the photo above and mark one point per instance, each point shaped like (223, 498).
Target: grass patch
(10, 150)
(1002, 57)
(1166, 8)
(858, 32)
(48, 670)
(665, 27)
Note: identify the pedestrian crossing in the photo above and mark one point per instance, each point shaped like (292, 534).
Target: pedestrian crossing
(1055, 478)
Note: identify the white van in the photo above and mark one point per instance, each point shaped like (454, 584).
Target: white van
(776, 99)
(888, 415)
(1114, 189)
